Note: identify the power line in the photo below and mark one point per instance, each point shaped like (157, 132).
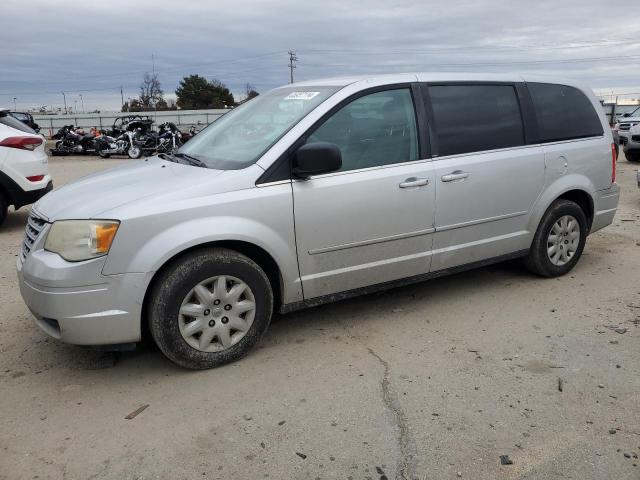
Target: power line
(466, 48)
(483, 64)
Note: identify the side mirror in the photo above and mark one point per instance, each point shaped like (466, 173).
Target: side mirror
(626, 115)
(316, 158)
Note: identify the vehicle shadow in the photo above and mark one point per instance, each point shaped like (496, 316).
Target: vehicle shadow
(295, 328)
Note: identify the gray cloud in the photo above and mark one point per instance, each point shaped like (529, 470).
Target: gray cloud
(94, 48)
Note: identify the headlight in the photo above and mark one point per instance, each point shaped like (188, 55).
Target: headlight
(77, 240)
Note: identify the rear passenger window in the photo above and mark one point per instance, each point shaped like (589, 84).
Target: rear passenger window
(563, 112)
(473, 118)
(373, 130)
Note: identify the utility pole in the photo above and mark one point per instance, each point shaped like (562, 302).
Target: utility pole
(65, 102)
(14, 103)
(292, 60)
(82, 102)
(121, 97)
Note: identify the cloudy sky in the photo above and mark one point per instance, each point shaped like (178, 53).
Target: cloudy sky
(93, 48)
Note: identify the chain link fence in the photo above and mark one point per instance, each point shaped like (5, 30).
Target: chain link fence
(184, 119)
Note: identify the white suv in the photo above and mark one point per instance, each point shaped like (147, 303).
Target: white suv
(315, 192)
(24, 171)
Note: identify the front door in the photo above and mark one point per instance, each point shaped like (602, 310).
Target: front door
(372, 221)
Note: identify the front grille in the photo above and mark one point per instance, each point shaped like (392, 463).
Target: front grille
(635, 138)
(34, 226)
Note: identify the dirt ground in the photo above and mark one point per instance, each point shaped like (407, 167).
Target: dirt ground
(432, 381)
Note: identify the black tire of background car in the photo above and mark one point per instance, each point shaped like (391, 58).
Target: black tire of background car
(537, 261)
(632, 156)
(173, 284)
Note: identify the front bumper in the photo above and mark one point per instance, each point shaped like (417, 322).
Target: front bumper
(75, 303)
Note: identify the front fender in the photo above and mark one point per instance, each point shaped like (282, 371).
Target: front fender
(264, 219)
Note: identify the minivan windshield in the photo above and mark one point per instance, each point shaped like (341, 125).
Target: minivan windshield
(239, 138)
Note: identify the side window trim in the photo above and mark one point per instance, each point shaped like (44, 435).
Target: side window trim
(275, 172)
(527, 114)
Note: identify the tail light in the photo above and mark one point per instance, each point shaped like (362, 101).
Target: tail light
(35, 178)
(614, 158)
(22, 143)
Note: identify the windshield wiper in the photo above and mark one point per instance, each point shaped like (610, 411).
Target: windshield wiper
(173, 157)
(192, 160)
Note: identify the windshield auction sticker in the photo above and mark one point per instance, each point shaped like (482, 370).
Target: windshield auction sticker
(301, 95)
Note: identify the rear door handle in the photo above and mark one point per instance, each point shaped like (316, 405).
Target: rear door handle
(453, 176)
(414, 182)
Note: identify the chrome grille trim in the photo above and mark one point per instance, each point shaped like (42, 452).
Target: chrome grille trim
(35, 224)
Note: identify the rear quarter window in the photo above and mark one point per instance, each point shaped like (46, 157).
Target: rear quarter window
(563, 112)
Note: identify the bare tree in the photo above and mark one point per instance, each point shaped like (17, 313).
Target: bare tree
(250, 92)
(150, 91)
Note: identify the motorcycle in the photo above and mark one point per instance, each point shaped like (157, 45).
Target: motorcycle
(73, 140)
(191, 133)
(169, 138)
(108, 145)
(131, 135)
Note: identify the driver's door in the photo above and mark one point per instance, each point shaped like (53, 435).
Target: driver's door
(372, 221)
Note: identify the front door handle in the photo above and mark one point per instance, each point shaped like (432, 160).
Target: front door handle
(414, 182)
(453, 176)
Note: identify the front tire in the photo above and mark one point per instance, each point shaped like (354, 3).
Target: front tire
(559, 240)
(209, 308)
(134, 152)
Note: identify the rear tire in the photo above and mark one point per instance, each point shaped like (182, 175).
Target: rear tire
(195, 317)
(555, 249)
(4, 208)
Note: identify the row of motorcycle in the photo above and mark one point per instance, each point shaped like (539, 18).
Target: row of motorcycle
(131, 135)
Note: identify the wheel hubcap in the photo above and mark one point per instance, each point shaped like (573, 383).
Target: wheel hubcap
(216, 313)
(563, 240)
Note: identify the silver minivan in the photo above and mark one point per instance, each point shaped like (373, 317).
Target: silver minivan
(316, 192)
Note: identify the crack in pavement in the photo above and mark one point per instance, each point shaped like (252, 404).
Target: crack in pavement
(407, 463)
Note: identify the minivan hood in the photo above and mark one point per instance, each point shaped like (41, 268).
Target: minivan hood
(96, 194)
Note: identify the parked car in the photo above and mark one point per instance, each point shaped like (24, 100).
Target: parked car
(631, 147)
(625, 123)
(27, 119)
(24, 173)
(395, 179)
